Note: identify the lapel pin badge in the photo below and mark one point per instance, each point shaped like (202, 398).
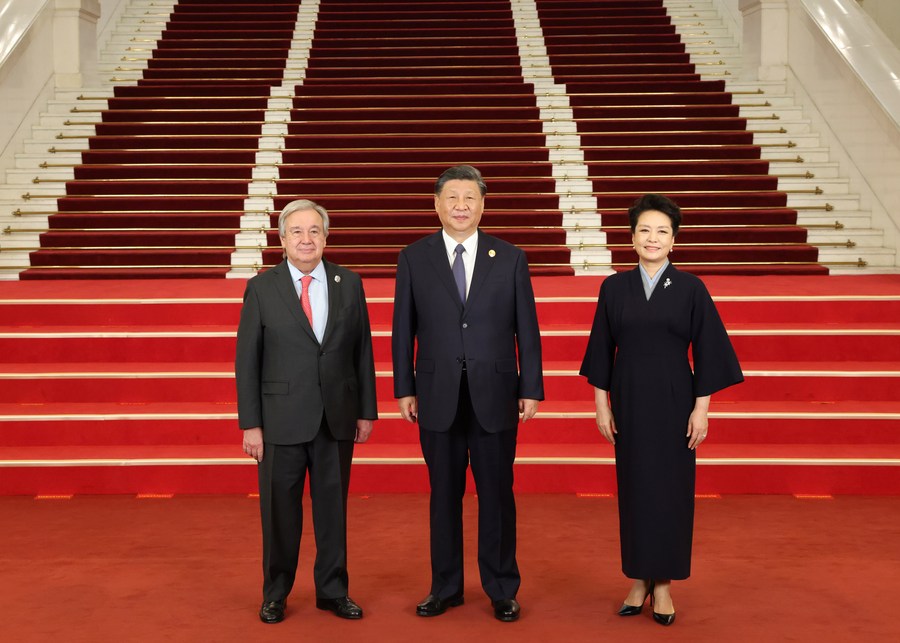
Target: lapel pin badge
(492, 253)
(337, 279)
(667, 283)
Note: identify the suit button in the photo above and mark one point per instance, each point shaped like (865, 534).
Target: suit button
(322, 354)
(465, 325)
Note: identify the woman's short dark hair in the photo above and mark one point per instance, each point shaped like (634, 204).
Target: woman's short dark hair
(655, 202)
(461, 173)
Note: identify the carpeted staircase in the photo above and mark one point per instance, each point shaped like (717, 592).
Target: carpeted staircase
(571, 110)
(128, 387)
(221, 112)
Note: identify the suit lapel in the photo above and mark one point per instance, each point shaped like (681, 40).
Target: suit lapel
(288, 292)
(484, 262)
(334, 285)
(439, 261)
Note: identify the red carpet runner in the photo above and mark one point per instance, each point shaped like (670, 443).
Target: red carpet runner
(128, 387)
(391, 97)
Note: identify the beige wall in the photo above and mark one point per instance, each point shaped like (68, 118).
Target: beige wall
(886, 14)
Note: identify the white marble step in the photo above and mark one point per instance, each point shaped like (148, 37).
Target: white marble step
(77, 132)
(63, 122)
(18, 241)
(66, 107)
(128, 56)
(12, 263)
(121, 41)
(24, 222)
(836, 185)
(792, 169)
(794, 141)
(27, 177)
(788, 114)
(769, 101)
(33, 162)
(783, 126)
(850, 237)
(840, 202)
(873, 258)
(847, 218)
(807, 154)
(34, 193)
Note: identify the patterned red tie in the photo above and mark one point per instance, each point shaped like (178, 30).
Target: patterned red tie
(304, 298)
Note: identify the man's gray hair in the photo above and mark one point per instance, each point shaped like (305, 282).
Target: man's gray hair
(301, 204)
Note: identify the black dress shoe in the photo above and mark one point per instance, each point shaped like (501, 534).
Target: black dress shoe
(506, 610)
(434, 606)
(272, 611)
(634, 610)
(664, 619)
(343, 607)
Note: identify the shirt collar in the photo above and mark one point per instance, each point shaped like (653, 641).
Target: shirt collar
(470, 244)
(318, 273)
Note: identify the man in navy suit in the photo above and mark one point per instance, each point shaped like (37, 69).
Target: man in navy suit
(465, 299)
(306, 392)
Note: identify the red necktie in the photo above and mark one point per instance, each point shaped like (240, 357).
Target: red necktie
(304, 298)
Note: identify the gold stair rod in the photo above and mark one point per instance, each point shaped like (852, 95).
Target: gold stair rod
(563, 162)
(398, 121)
(120, 267)
(425, 229)
(572, 210)
(859, 263)
(400, 246)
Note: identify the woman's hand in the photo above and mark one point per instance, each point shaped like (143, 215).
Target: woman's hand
(698, 423)
(605, 421)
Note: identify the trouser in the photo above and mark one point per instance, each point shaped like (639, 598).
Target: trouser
(282, 474)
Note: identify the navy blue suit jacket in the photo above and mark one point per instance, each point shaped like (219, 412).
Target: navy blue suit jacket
(497, 324)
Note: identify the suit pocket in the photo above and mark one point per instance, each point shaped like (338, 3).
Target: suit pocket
(506, 365)
(275, 388)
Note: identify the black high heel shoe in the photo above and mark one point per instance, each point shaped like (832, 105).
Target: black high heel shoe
(634, 610)
(662, 619)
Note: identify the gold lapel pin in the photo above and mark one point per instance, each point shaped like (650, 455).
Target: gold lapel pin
(492, 253)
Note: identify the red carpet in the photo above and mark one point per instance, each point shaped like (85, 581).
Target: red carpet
(188, 569)
(127, 387)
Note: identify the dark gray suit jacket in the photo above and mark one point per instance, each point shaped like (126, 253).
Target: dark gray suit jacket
(498, 322)
(286, 380)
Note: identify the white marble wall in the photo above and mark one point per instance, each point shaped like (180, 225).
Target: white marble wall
(26, 70)
(886, 14)
(846, 74)
(851, 74)
(44, 44)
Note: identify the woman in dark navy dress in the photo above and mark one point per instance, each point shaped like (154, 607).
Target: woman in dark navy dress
(651, 405)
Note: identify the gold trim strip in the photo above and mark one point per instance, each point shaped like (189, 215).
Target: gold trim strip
(521, 460)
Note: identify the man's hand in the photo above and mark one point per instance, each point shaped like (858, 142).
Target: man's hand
(527, 408)
(253, 443)
(363, 429)
(409, 408)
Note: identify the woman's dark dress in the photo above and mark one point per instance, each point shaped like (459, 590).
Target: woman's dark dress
(638, 351)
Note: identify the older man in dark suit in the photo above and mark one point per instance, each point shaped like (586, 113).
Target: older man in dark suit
(465, 299)
(306, 392)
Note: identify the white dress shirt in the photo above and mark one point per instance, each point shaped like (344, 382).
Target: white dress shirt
(471, 245)
(318, 295)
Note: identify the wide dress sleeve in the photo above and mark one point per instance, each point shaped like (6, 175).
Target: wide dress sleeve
(597, 365)
(716, 365)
